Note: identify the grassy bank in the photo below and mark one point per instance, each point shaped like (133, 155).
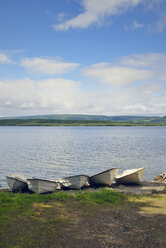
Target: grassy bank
(81, 219)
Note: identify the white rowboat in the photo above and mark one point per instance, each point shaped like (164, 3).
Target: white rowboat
(41, 186)
(132, 176)
(104, 178)
(17, 182)
(74, 182)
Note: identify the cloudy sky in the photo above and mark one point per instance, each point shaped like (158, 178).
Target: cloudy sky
(82, 57)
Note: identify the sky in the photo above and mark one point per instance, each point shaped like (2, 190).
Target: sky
(102, 57)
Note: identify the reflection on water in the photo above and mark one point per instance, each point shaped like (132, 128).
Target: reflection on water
(50, 152)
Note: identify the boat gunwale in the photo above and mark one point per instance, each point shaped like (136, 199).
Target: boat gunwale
(103, 172)
(130, 174)
(18, 179)
(75, 176)
(46, 180)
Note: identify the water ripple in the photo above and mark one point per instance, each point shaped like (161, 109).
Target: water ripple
(50, 152)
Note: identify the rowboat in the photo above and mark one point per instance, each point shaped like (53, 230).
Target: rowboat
(17, 182)
(132, 176)
(74, 182)
(41, 186)
(104, 178)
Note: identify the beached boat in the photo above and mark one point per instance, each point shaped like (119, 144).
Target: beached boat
(41, 186)
(17, 183)
(104, 178)
(132, 176)
(74, 182)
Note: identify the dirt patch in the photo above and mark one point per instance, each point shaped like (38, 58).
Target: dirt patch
(135, 223)
(118, 226)
(146, 187)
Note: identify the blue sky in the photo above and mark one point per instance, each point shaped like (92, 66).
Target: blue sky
(82, 57)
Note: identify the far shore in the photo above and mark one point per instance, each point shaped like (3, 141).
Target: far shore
(56, 122)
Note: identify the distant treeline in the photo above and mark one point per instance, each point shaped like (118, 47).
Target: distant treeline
(53, 122)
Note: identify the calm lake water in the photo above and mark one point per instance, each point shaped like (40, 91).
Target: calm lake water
(50, 152)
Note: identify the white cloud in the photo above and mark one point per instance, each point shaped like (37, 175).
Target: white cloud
(161, 23)
(136, 108)
(54, 94)
(116, 75)
(129, 100)
(26, 97)
(134, 26)
(158, 9)
(95, 11)
(120, 93)
(47, 66)
(154, 62)
(144, 60)
(61, 17)
(5, 59)
(137, 25)
(149, 89)
(130, 69)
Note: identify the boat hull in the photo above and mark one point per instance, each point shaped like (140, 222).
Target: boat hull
(42, 186)
(75, 182)
(132, 176)
(104, 178)
(17, 183)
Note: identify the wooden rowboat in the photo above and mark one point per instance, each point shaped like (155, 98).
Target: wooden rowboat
(104, 178)
(132, 176)
(41, 186)
(17, 182)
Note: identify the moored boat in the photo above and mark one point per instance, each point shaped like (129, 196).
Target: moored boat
(104, 178)
(131, 176)
(17, 182)
(74, 182)
(41, 186)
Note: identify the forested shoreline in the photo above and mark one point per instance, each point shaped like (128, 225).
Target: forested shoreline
(53, 122)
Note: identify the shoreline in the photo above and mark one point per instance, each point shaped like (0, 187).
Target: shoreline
(146, 187)
(86, 125)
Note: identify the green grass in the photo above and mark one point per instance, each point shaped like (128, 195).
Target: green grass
(21, 202)
(14, 204)
(103, 196)
(11, 204)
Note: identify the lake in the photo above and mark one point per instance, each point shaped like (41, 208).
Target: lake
(50, 152)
